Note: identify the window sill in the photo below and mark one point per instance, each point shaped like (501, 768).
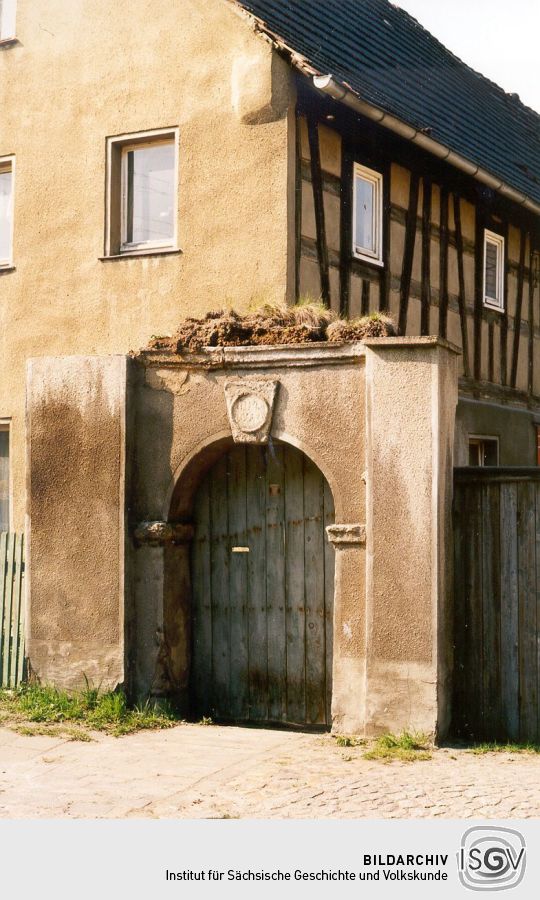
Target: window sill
(370, 260)
(493, 308)
(6, 269)
(8, 42)
(138, 253)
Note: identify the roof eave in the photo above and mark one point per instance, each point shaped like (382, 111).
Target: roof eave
(327, 84)
(341, 92)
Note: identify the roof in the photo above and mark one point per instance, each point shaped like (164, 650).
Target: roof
(389, 60)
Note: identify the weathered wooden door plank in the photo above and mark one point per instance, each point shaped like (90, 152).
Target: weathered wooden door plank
(202, 603)
(275, 584)
(294, 576)
(220, 558)
(257, 624)
(238, 501)
(491, 612)
(509, 612)
(528, 676)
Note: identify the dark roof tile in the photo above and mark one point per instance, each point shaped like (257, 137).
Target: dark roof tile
(391, 61)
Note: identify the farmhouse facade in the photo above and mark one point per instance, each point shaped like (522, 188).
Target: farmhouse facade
(262, 533)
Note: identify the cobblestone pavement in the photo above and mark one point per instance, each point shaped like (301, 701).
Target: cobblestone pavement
(193, 771)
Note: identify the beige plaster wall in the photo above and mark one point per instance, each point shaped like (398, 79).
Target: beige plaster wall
(76, 566)
(87, 69)
(411, 391)
(378, 421)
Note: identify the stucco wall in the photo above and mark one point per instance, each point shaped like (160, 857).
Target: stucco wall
(137, 436)
(411, 390)
(76, 565)
(515, 429)
(87, 69)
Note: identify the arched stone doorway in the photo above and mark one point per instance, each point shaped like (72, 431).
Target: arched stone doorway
(262, 575)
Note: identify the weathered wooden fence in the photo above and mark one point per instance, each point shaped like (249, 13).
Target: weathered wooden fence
(12, 661)
(497, 604)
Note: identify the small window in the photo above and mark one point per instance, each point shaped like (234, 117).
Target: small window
(7, 19)
(142, 193)
(4, 477)
(483, 451)
(7, 168)
(493, 270)
(367, 214)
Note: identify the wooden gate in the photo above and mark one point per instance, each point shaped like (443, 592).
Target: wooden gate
(11, 609)
(263, 588)
(497, 604)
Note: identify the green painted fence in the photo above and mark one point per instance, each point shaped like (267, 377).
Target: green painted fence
(12, 660)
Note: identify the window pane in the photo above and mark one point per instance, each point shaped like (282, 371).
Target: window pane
(7, 19)
(474, 453)
(364, 237)
(5, 215)
(490, 453)
(491, 271)
(150, 210)
(4, 480)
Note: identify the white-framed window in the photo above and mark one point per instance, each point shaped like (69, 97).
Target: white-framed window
(142, 192)
(367, 214)
(4, 476)
(483, 450)
(493, 270)
(8, 9)
(7, 186)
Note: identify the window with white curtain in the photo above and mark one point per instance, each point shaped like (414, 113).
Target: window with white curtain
(8, 10)
(142, 192)
(367, 214)
(7, 168)
(493, 270)
(4, 477)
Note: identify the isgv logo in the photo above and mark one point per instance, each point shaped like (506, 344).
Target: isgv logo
(491, 858)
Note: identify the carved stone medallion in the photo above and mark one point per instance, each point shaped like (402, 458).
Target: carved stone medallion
(250, 405)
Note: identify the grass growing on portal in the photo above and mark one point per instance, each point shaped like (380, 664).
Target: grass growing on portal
(349, 740)
(494, 747)
(43, 709)
(406, 747)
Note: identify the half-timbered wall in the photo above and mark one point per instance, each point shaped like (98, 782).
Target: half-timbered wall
(433, 245)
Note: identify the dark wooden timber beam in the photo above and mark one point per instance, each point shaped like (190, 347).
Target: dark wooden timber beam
(443, 265)
(519, 304)
(530, 378)
(345, 253)
(317, 184)
(491, 352)
(478, 297)
(461, 295)
(426, 257)
(298, 206)
(386, 274)
(408, 253)
(365, 297)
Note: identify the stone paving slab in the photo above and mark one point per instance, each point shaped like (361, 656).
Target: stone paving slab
(195, 771)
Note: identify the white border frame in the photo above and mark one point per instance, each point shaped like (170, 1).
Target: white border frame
(8, 20)
(10, 162)
(127, 142)
(5, 425)
(376, 179)
(486, 437)
(496, 303)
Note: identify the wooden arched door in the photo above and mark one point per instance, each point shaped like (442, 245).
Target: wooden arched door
(263, 589)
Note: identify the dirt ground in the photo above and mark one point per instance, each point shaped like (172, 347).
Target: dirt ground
(197, 771)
